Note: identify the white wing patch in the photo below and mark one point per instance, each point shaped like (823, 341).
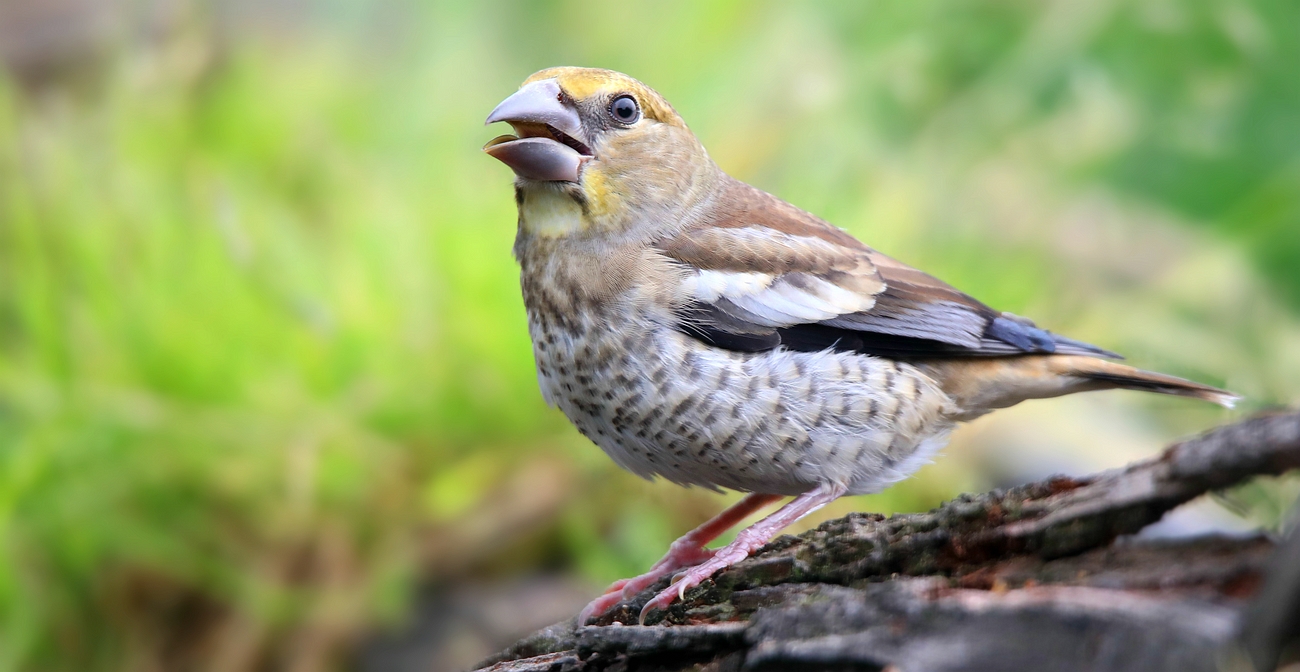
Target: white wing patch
(770, 301)
(709, 286)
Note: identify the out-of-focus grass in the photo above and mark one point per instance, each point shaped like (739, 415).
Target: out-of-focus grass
(245, 329)
(263, 363)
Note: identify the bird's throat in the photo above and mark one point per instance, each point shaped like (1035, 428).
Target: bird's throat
(549, 212)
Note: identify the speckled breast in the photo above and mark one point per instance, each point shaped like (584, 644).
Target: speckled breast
(778, 422)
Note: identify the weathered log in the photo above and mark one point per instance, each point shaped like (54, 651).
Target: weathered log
(1270, 627)
(1034, 577)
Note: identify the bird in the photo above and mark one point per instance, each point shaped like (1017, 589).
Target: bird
(701, 330)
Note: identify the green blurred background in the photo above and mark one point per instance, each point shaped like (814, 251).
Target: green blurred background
(266, 392)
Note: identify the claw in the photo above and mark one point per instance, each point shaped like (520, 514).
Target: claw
(677, 591)
(748, 541)
(649, 607)
(628, 588)
(686, 552)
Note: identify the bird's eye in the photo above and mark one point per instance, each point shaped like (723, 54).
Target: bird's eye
(625, 110)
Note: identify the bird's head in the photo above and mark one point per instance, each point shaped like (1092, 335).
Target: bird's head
(601, 142)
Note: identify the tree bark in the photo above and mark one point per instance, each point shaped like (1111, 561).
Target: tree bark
(1039, 576)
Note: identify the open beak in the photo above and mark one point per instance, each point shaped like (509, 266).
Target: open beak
(546, 143)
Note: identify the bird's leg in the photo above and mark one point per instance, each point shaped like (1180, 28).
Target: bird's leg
(749, 540)
(687, 551)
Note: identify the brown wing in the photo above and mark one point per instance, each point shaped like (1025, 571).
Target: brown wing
(764, 273)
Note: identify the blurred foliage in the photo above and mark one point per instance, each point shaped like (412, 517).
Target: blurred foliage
(263, 361)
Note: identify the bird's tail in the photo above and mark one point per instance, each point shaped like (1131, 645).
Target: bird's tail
(1111, 374)
(981, 385)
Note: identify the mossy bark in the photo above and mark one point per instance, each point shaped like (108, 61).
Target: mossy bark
(1027, 578)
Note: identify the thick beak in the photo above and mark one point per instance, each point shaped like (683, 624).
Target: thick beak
(548, 145)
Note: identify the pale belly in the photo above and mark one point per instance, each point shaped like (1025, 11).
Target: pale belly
(778, 422)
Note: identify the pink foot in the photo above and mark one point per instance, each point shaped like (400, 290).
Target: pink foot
(749, 540)
(680, 556)
(685, 552)
(725, 557)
